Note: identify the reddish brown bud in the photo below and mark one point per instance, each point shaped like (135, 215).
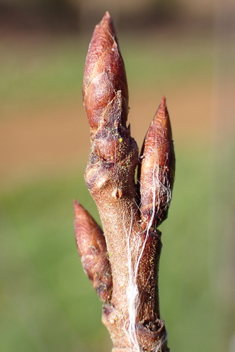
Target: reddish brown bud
(157, 169)
(104, 77)
(93, 252)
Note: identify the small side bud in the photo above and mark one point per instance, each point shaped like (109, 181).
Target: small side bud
(93, 252)
(157, 169)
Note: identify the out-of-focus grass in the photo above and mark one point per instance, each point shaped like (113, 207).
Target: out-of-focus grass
(187, 300)
(48, 304)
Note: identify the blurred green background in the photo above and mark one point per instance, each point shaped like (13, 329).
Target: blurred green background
(178, 49)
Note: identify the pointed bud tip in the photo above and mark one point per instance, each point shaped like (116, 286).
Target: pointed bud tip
(77, 206)
(80, 212)
(75, 202)
(107, 22)
(106, 17)
(162, 107)
(161, 118)
(163, 102)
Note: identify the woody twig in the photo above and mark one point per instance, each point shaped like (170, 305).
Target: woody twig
(122, 260)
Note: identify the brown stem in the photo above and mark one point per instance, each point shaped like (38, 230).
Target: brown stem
(123, 262)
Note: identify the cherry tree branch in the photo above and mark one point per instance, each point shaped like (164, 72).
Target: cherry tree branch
(122, 260)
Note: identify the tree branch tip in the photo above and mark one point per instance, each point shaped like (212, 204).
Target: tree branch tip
(76, 203)
(162, 111)
(78, 209)
(107, 24)
(122, 260)
(163, 101)
(107, 16)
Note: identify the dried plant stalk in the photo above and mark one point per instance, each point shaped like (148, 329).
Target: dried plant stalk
(122, 260)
